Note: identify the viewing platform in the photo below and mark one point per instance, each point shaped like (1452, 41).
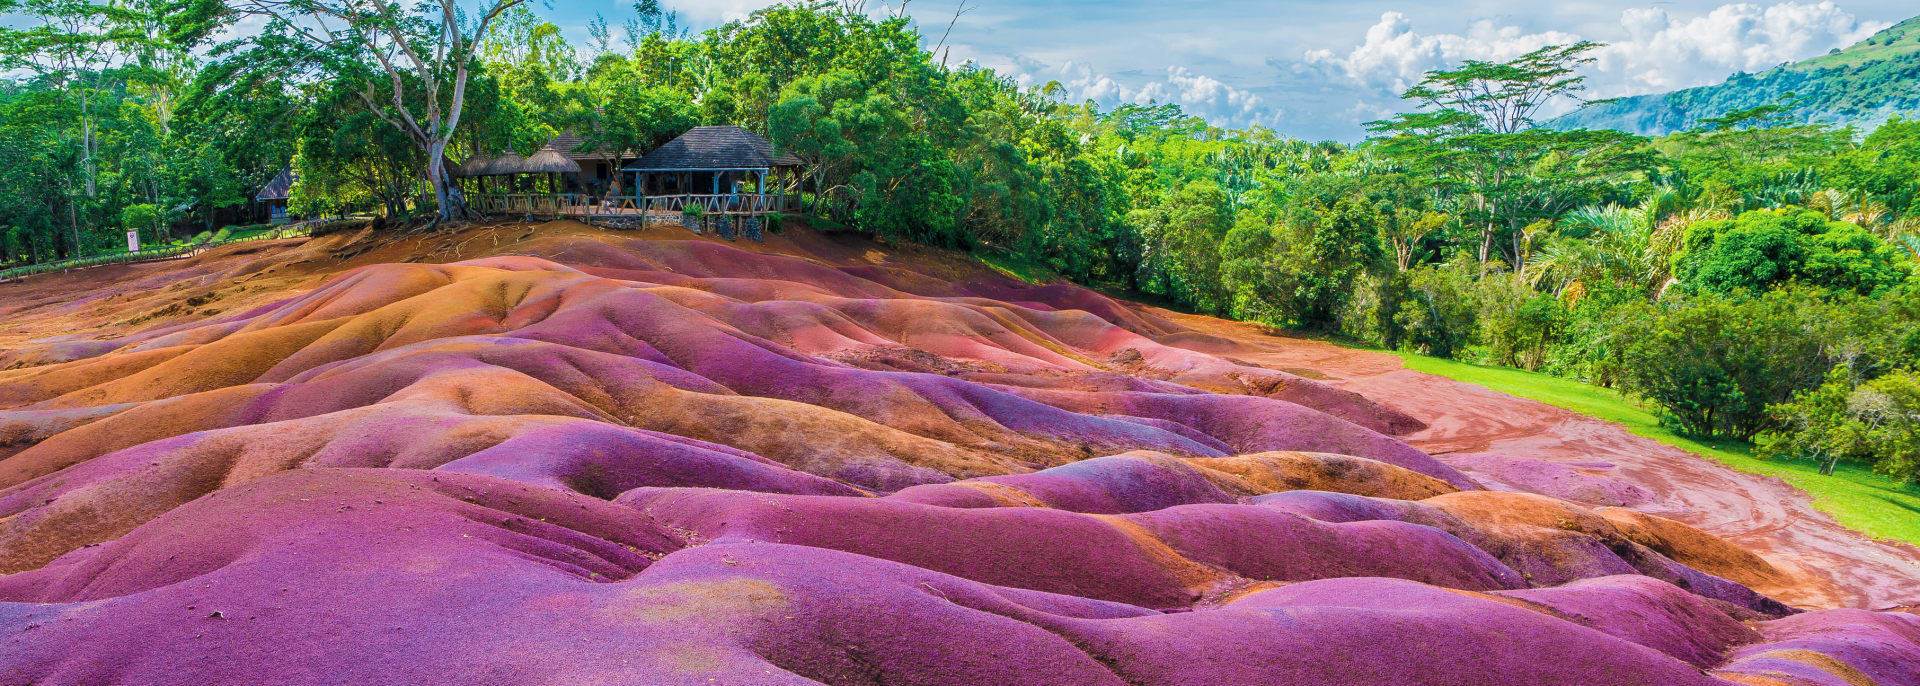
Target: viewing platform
(652, 207)
(725, 215)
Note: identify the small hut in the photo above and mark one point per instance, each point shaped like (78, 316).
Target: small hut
(275, 195)
(509, 183)
(550, 162)
(713, 161)
(475, 167)
(547, 162)
(598, 167)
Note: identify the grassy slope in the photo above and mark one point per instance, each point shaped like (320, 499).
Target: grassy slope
(1857, 497)
(1016, 266)
(1862, 84)
(1895, 42)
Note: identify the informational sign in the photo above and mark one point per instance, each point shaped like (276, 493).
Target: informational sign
(133, 241)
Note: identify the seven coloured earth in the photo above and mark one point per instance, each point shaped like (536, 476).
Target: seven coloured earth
(546, 453)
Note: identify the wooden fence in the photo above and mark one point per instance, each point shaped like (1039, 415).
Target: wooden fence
(299, 230)
(653, 207)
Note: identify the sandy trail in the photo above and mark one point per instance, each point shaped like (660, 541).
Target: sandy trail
(1839, 567)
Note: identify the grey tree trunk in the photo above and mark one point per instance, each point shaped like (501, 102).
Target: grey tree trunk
(452, 203)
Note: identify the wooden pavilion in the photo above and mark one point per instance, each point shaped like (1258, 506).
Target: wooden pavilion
(726, 169)
(579, 170)
(725, 173)
(546, 164)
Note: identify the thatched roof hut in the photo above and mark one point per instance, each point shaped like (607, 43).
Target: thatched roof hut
(715, 148)
(546, 161)
(550, 161)
(474, 166)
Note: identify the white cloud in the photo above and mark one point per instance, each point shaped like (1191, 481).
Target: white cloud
(1393, 57)
(1661, 52)
(1195, 93)
(1203, 90)
(1654, 51)
(246, 26)
(705, 12)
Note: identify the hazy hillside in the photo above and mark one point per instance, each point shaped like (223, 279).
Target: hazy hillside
(1862, 85)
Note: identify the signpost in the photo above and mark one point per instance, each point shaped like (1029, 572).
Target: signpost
(133, 240)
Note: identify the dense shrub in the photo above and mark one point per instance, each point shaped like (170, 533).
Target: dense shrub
(1517, 323)
(1750, 253)
(1876, 423)
(1713, 365)
(1586, 345)
(1329, 248)
(1439, 315)
(1301, 271)
(1767, 248)
(141, 217)
(1371, 315)
(1181, 237)
(1846, 257)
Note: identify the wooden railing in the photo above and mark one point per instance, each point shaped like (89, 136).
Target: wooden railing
(582, 205)
(165, 252)
(522, 203)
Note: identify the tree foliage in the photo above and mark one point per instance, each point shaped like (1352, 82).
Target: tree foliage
(1875, 423)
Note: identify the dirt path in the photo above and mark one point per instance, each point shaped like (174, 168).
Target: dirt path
(1838, 566)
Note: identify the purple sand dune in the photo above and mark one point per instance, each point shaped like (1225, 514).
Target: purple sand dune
(1117, 484)
(552, 585)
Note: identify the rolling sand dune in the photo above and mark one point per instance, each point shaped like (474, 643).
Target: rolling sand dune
(556, 455)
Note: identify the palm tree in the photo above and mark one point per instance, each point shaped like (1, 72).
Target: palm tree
(1867, 212)
(1911, 242)
(1898, 229)
(1631, 244)
(1790, 188)
(1831, 202)
(1563, 263)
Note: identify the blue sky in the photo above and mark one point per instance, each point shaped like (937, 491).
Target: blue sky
(1318, 68)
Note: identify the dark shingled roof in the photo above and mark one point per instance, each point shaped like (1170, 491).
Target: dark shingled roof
(279, 188)
(716, 147)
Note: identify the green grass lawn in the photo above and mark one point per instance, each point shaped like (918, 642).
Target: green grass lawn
(1860, 499)
(1024, 269)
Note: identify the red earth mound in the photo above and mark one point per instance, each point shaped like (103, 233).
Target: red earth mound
(553, 454)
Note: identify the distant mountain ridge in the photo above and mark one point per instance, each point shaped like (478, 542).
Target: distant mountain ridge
(1862, 85)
